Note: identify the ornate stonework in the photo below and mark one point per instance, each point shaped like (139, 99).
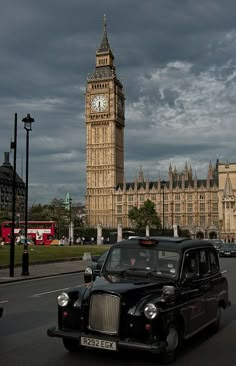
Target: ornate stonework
(204, 206)
(105, 137)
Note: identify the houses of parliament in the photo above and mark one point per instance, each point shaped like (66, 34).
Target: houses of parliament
(206, 207)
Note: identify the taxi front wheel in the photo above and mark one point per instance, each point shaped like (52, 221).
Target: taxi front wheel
(173, 340)
(70, 345)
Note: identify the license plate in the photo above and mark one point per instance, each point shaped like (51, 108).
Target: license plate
(98, 343)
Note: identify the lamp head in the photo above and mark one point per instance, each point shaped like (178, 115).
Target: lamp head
(163, 183)
(27, 122)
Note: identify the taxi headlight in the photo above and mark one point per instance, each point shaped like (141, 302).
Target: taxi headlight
(88, 271)
(151, 311)
(63, 299)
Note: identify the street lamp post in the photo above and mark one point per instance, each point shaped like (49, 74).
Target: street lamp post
(163, 184)
(12, 246)
(25, 257)
(172, 213)
(70, 225)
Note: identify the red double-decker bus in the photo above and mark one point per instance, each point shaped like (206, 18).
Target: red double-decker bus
(40, 232)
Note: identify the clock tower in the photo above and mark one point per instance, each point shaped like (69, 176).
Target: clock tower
(105, 121)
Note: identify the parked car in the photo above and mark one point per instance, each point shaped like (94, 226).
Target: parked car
(217, 243)
(227, 250)
(91, 272)
(150, 295)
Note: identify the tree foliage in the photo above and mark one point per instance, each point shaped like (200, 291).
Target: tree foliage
(56, 211)
(145, 215)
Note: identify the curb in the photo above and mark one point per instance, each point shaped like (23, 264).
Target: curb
(59, 260)
(28, 278)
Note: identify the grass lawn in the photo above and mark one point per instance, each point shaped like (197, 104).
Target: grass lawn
(45, 253)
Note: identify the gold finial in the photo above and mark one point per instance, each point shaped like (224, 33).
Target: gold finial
(105, 21)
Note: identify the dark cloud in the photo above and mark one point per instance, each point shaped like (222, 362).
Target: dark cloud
(175, 59)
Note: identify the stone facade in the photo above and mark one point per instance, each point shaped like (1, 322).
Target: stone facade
(6, 176)
(227, 200)
(206, 207)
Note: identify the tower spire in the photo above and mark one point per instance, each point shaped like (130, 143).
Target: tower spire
(104, 22)
(104, 46)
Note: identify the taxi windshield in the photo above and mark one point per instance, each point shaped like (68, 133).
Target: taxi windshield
(156, 261)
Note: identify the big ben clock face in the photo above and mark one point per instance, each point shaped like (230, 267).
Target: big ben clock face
(99, 103)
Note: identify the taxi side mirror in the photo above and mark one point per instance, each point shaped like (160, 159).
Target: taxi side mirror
(88, 275)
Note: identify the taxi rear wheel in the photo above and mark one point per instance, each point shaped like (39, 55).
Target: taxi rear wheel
(216, 325)
(70, 345)
(174, 341)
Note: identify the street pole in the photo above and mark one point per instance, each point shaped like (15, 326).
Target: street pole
(12, 246)
(25, 257)
(172, 214)
(70, 226)
(163, 183)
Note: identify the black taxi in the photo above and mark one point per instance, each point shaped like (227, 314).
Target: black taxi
(150, 295)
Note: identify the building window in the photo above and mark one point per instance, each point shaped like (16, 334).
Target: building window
(215, 207)
(189, 197)
(119, 209)
(189, 207)
(130, 207)
(202, 196)
(177, 197)
(119, 198)
(202, 221)
(130, 198)
(190, 220)
(177, 207)
(153, 197)
(141, 198)
(177, 220)
(215, 195)
(202, 207)
(119, 220)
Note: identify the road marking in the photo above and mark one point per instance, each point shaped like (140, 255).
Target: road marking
(53, 291)
(49, 292)
(3, 301)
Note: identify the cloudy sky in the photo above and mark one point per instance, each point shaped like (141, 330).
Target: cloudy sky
(175, 58)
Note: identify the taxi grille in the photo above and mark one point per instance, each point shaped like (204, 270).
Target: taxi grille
(104, 313)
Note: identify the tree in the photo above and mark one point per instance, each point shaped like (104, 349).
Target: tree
(145, 215)
(39, 212)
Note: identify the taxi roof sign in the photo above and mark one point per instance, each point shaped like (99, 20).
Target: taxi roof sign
(147, 242)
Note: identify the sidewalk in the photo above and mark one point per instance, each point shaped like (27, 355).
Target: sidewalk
(44, 270)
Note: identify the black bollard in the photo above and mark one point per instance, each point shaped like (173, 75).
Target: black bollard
(25, 262)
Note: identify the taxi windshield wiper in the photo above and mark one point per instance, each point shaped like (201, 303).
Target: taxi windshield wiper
(130, 269)
(157, 274)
